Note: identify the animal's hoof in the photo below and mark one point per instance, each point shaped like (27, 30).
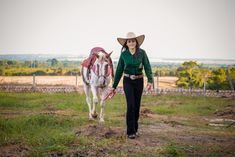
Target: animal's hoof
(94, 115)
(101, 120)
(91, 118)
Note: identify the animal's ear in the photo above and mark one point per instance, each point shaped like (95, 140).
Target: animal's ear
(108, 55)
(96, 55)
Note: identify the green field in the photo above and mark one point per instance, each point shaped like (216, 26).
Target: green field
(43, 124)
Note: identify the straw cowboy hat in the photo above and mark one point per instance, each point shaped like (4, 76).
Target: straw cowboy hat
(131, 35)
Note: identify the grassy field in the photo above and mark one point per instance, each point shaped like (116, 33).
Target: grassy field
(41, 124)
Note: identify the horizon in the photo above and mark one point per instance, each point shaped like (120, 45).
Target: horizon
(79, 58)
(84, 56)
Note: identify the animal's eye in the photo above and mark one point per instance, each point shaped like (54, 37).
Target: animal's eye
(106, 67)
(106, 60)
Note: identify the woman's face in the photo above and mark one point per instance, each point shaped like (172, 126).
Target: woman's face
(131, 43)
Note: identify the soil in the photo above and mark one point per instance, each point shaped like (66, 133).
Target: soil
(228, 112)
(14, 150)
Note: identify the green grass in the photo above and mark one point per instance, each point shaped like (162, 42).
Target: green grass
(58, 100)
(176, 105)
(46, 133)
(186, 105)
(171, 150)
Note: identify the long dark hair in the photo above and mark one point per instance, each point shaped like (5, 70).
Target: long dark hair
(137, 48)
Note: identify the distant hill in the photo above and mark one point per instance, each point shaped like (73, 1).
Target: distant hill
(39, 57)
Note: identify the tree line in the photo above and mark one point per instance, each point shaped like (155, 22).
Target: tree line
(192, 75)
(49, 67)
(56, 67)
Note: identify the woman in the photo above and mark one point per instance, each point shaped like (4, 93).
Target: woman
(131, 62)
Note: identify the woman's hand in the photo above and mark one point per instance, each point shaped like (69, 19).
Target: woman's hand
(113, 89)
(108, 94)
(112, 92)
(149, 87)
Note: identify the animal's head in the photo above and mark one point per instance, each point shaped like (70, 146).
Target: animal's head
(103, 67)
(102, 57)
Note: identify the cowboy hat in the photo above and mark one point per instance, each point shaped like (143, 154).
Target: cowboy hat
(131, 35)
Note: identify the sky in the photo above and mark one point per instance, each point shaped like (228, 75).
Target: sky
(173, 28)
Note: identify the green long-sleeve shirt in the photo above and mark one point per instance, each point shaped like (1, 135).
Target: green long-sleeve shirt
(132, 65)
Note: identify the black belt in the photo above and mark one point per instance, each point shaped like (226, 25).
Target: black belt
(133, 77)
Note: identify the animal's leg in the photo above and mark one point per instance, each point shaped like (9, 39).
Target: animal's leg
(88, 99)
(94, 91)
(102, 104)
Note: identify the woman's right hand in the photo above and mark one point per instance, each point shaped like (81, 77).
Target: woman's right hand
(113, 89)
(112, 92)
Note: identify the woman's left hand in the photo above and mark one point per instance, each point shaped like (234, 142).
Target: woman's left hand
(149, 87)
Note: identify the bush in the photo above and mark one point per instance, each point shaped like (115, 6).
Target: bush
(40, 73)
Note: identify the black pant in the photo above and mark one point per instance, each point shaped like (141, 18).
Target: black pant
(133, 91)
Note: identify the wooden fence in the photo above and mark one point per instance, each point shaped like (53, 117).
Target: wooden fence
(79, 89)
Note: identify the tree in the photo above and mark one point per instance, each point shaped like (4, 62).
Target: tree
(9, 62)
(54, 62)
(27, 63)
(188, 74)
(232, 75)
(204, 73)
(35, 64)
(218, 80)
(59, 71)
(1, 63)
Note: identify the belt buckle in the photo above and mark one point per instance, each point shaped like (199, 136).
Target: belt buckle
(132, 77)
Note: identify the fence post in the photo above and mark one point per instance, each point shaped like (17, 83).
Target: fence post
(204, 86)
(153, 83)
(157, 88)
(76, 80)
(229, 79)
(34, 80)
